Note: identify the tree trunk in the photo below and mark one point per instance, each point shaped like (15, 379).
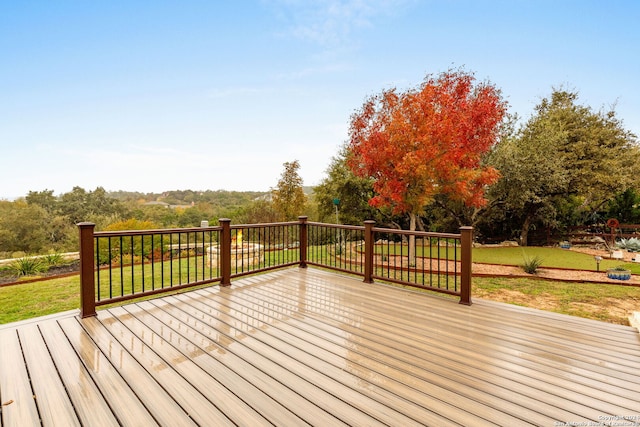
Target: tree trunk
(412, 239)
(524, 233)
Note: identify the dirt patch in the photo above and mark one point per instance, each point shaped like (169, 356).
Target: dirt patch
(612, 310)
(542, 301)
(559, 274)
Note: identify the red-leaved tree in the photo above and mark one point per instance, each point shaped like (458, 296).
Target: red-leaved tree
(427, 141)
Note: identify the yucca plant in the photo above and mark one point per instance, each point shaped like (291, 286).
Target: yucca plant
(531, 265)
(54, 259)
(27, 266)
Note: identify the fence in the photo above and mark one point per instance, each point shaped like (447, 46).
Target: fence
(116, 266)
(608, 233)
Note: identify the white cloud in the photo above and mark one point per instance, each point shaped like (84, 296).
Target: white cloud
(331, 22)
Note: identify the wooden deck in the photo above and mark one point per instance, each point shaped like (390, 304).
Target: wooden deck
(308, 347)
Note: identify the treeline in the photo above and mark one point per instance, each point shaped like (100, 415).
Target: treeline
(43, 222)
(567, 165)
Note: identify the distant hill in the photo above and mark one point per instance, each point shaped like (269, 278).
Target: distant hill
(190, 197)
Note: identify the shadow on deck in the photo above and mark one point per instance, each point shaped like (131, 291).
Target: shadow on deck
(309, 347)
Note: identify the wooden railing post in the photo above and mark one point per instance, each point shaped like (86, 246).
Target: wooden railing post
(466, 243)
(87, 270)
(304, 241)
(225, 252)
(368, 250)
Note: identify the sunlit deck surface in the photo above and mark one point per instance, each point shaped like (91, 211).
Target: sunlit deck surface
(309, 347)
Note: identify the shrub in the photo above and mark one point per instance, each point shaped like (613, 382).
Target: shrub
(632, 244)
(27, 266)
(54, 260)
(531, 265)
(618, 268)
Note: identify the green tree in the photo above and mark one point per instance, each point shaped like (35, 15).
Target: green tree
(564, 152)
(288, 197)
(625, 207)
(61, 233)
(160, 214)
(351, 192)
(80, 205)
(23, 227)
(259, 211)
(45, 199)
(191, 217)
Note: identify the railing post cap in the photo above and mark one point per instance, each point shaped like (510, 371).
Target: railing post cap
(303, 218)
(224, 220)
(369, 221)
(86, 224)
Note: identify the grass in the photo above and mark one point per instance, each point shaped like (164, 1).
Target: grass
(608, 303)
(39, 298)
(421, 251)
(551, 257)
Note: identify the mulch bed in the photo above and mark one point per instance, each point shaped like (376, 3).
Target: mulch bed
(9, 279)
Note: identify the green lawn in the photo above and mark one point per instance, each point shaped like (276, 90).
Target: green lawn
(36, 299)
(551, 257)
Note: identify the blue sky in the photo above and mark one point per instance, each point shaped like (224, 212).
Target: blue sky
(162, 95)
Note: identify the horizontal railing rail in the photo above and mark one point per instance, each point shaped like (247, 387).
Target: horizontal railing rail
(116, 266)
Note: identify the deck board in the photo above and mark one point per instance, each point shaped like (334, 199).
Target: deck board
(87, 400)
(146, 348)
(18, 406)
(408, 367)
(54, 404)
(401, 384)
(164, 409)
(184, 355)
(486, 356)
(308, 399)
(402, 346)
(309, 347)
(128, 409)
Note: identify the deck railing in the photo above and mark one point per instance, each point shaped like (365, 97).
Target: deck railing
(116, 266)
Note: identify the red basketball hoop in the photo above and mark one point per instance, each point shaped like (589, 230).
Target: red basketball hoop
(613, 223)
